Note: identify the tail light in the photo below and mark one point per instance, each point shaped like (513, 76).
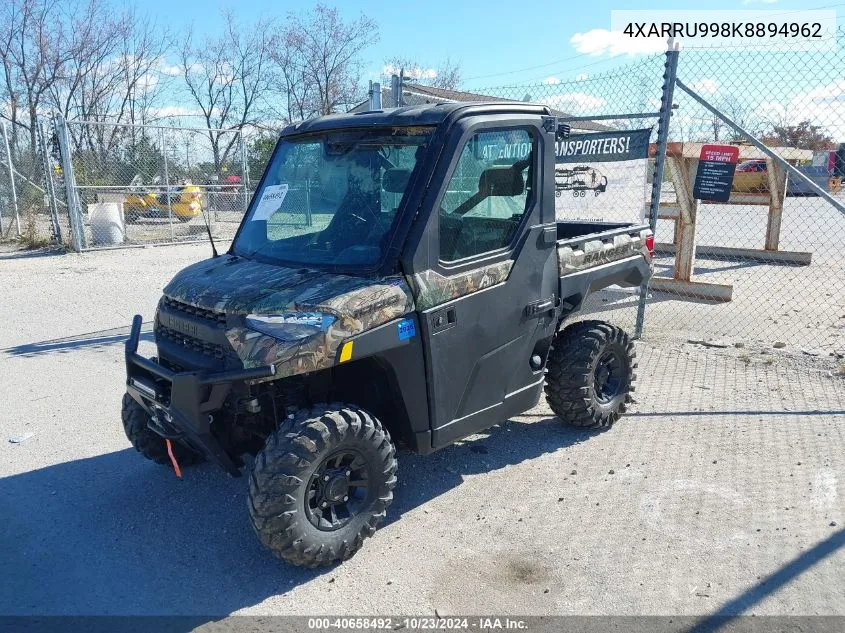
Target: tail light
(649, 244)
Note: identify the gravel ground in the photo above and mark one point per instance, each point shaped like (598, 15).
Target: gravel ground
(719, 493)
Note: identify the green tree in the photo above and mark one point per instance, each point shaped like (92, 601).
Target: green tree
(259, 151)
(803, 136)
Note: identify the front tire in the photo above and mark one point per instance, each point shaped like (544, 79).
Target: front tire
(149, 443)
(322, 484)
(590, 374)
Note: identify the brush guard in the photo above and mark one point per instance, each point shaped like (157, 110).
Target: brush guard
(181, 404)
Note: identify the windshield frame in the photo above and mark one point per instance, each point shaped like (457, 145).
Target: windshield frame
(388, 261)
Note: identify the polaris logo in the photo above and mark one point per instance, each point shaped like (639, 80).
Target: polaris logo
(180, 325)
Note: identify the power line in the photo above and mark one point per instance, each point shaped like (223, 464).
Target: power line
(522, 70)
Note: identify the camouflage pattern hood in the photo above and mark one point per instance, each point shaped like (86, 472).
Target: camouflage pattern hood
(237, 287)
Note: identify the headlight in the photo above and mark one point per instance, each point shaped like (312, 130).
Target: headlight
(293, 326)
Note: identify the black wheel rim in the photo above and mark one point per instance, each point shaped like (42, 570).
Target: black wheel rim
(338, 490)
(608, 376)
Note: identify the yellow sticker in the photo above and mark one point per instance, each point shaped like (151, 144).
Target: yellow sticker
(346, 352)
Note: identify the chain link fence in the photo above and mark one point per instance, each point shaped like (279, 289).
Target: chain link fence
(766, 267)
(30, 210)
(135, 185)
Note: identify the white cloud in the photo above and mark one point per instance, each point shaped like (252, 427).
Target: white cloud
(174, 111)
(830, 93)
(823, 106)
(175, 70)
(770, 111)
(581, 77)
(551, 81)
(416, 72)
(148, 82)
(574, 102)
(171, 70)
(705, 86)
(601, 41)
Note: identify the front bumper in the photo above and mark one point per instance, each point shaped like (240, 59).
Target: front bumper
(180, 404)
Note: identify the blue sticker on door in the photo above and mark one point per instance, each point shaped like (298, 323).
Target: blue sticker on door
(406, 328)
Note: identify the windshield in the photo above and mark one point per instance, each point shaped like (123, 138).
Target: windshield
(332, 199)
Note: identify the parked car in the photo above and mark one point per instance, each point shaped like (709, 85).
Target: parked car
(751, 176)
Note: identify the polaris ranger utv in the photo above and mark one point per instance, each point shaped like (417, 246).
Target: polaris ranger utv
(399, 278)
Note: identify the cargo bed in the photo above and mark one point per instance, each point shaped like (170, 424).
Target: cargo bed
(595, 255)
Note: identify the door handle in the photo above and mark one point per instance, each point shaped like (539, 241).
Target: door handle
(541, 306)
(443, 320)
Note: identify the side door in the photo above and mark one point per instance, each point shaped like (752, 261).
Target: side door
(486, 299)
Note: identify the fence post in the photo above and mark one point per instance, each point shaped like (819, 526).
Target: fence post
(11, 181)
(244, 177)
(74, 210)
(49, 186)
(2, 231)
(395, 89)
(669, 74)
(247, 181)
(166, 180)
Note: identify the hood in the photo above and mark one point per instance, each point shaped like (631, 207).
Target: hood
(238, 286)
(235, 285)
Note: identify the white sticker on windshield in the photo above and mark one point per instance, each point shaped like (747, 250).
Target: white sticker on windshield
(271, 200)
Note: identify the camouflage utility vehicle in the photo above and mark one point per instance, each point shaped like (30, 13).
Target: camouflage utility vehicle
(399, 279)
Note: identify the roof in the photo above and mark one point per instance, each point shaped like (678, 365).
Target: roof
(413, 115)
(415, 94)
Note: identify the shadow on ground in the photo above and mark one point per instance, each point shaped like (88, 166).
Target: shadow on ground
(115, 534)
(91, 340)
(20, 253)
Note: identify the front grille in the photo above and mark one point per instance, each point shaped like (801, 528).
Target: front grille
(203, 313)
(191, 343)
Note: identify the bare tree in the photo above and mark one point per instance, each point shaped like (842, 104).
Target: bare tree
(144, 49)
(445, 75)
(291, 82)
(110, 74)
(717, 124)
(34, 51)
(226, 77)
(321, 55)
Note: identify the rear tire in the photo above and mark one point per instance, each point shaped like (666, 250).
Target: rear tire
(590, 374)
(149, 443)
(304, 502)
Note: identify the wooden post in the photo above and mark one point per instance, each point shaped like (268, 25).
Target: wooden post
(680, 170)
(777, 192)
